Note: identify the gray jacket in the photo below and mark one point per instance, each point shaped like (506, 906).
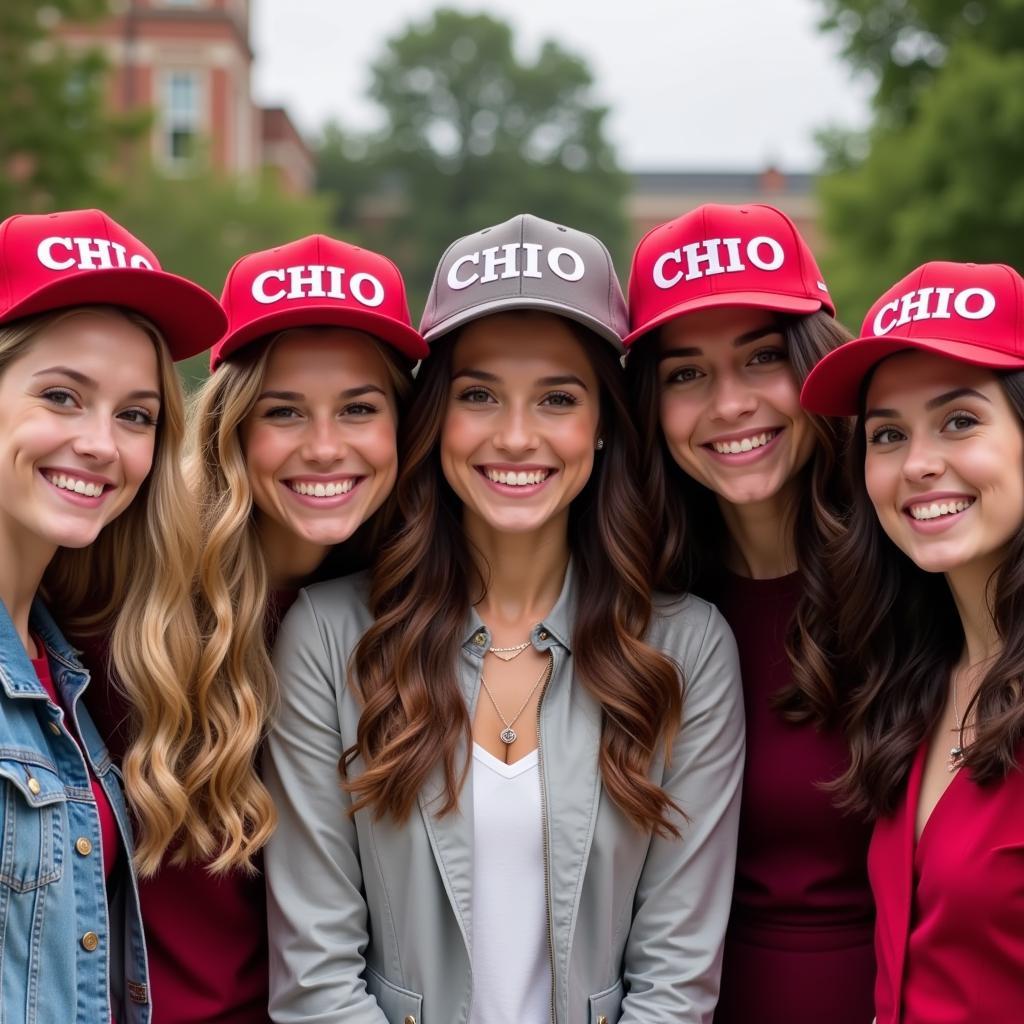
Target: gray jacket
(370, 922)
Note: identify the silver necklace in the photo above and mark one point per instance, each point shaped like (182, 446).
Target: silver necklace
(508, 653)
(508, 735)
(956, 752)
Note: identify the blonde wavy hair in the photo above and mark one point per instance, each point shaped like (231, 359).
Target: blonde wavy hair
(133, 585)
(235, 691)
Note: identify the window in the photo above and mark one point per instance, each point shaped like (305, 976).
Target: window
(181, 117)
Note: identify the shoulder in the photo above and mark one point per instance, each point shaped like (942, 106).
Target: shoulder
(337, 611)
(684, 626)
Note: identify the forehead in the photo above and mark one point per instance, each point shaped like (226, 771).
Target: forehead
(103, 345)
(522, 345)
(706, 327)
(324, 355)
(910, 379)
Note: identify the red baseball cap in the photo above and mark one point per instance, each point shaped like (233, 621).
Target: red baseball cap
(316, 281)
(971, 312)
(720, 255)
(53, 261)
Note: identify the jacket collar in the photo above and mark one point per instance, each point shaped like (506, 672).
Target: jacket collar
(17, 675)
(555, 628)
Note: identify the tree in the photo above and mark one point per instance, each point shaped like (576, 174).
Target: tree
(937, 175)
(56, 136)
(473, 135)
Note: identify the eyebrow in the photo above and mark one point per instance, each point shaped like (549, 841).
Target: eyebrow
(744, 339)
(546, 382)
(87, 382)
(932, 403)
(298, 396)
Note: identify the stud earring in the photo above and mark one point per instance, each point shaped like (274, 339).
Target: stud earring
(600, 444)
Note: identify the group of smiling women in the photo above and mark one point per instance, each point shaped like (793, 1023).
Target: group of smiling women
(554, 662)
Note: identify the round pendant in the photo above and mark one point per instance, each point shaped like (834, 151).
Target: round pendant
(507, 735)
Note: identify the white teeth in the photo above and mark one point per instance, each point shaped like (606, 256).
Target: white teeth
(322, 490)
(520, 479)
(71, 483)
(939, 508)
(745, 445)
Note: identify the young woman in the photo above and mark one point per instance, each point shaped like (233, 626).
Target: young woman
(729, 313)
(932, 609)
(540, 766)
(93, 530)
(293, 451)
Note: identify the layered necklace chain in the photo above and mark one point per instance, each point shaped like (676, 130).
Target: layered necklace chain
(508, 735)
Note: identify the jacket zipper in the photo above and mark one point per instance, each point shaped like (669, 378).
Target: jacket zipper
(546, 839)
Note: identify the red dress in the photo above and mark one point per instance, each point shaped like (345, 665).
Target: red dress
(799, 945)
(950, 935)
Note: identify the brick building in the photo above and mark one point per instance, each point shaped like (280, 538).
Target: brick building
(190, 63)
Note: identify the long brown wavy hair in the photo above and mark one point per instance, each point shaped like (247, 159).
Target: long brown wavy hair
(691, 531)
(425, 581)
(132, 585)
(902, 627)
(234, 689)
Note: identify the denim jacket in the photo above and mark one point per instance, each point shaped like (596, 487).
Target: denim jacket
(371, 921)
(70, 953)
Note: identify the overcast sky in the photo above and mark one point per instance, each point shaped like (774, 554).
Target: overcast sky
(692, 84)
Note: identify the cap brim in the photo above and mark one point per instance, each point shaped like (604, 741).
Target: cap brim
(399, 336)
(189, 317)
(833, 387)
(510, 302)
(748, 300)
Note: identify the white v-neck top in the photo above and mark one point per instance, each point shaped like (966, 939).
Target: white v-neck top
(511, 963)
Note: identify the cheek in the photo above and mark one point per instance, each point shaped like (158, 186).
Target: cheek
(880, 481)
(679, 417)
(379, 448)
(264, 450)
(137, 459)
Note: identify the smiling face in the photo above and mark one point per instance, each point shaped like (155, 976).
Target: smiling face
(945, 461)
(78, 415)
(517, 443)
(319, 443)
(730, 403)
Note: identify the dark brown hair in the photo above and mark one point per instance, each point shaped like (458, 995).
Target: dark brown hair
(902, 627)
(691, 532)
(426, 580)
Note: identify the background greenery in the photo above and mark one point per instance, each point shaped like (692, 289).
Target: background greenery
(940, 172)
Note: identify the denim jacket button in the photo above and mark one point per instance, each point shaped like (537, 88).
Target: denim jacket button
(83, 846)
(55, 728)
(410, 1019)
(90, 942)
(33, 785)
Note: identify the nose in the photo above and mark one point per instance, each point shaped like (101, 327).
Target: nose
(324, 442)
(923, 460)
(96, 440)
(732, 400)
(515, 431)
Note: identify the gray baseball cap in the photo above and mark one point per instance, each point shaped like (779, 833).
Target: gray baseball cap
(527, 263)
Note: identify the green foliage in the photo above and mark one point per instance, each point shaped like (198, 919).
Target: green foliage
(473, 135)
(56, 136)
(198, 226)
(938, 174)
(904, 44)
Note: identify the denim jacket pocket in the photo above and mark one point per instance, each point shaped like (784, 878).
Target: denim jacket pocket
(397, 1004)
(606, 1006)
(32, 802)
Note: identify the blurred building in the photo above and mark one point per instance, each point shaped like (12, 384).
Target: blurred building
(190, 63)
(658, 196)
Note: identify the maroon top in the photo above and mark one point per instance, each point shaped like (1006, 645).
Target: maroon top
(799, 946)
(206, 936)
(950, 934)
